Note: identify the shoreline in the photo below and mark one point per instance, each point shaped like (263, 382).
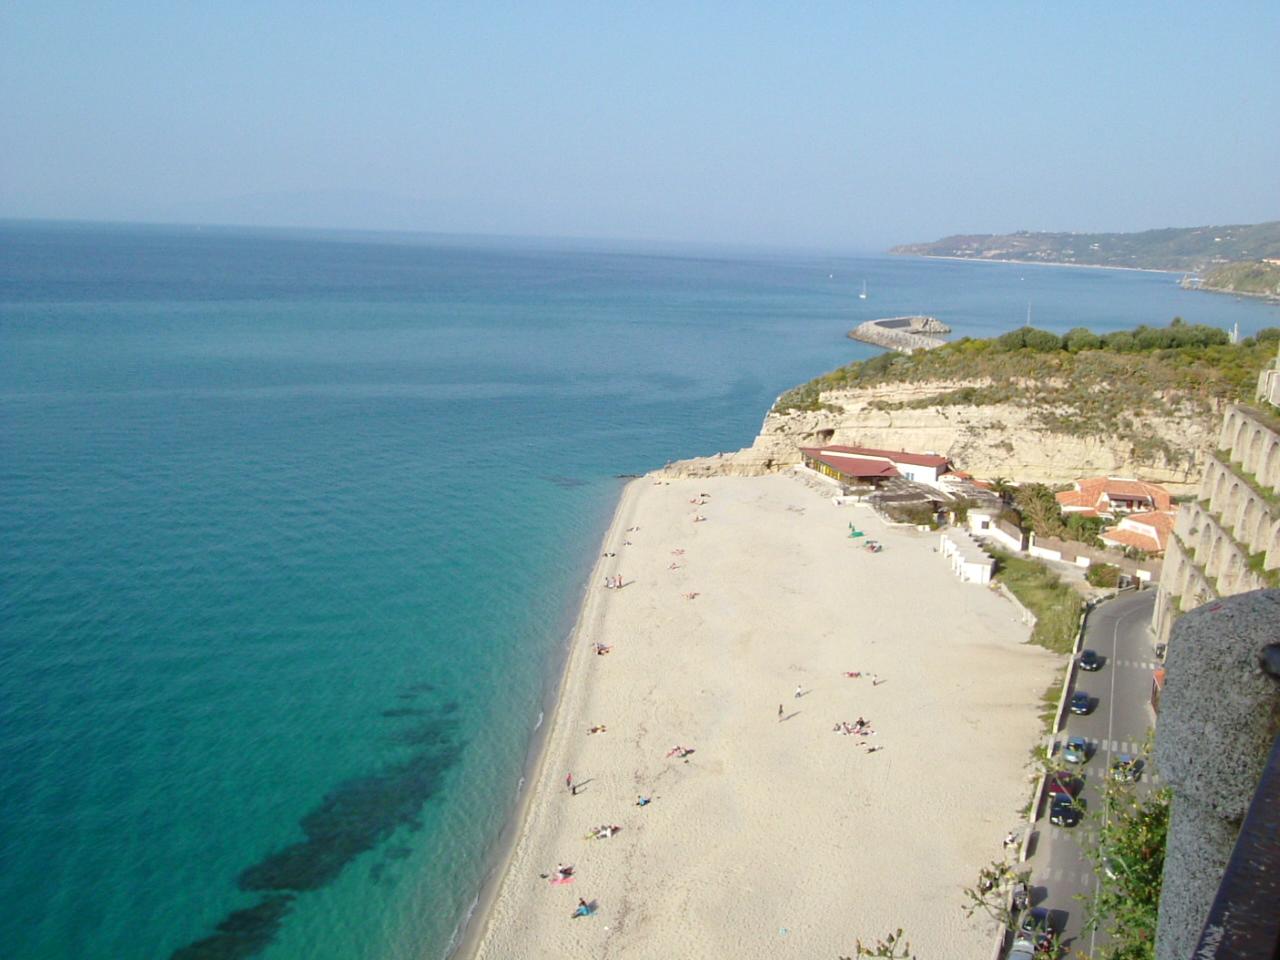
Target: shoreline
(1039, 263)
(670, 658)
(475, 926)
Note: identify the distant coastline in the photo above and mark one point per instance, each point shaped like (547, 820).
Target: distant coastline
(1039, 263)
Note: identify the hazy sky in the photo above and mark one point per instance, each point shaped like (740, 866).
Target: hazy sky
(847, 125)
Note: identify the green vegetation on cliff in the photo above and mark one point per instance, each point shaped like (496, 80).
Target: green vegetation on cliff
(1079, 384)
(1178, 248)
(1255, 278)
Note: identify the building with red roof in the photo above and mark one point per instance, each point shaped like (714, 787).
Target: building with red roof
(863, 465)
(1147, 531)
(1111, 496)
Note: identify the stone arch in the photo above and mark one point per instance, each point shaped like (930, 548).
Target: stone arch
(1221, 479)
(1253, 455)
(1204, 540)
(1269, 469)
(1273, 547)
(1230, 434)
(1247, 526)
(1235, 497)
(1216, 560)
(1176, 564)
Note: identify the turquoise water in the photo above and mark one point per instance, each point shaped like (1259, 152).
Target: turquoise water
(295, 525)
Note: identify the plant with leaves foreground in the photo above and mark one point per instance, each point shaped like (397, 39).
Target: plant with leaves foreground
(993, 894)
(1129, 863)
(892, 947)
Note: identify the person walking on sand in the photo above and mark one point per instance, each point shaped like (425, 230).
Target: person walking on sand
(779, 713)
(568, 783)
(799, 691)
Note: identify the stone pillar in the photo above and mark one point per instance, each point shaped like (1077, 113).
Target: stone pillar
(1219, 715)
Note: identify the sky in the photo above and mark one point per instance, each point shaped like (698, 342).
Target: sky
(845, 125)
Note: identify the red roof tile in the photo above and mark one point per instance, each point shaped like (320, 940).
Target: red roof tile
(850, 466)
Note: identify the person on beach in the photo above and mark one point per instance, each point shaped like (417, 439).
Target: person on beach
(799, 691)
(582, 910)
(779, 713)
(568, 783)
(642, 801)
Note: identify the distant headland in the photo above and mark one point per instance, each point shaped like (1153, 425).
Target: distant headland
(1240, 258)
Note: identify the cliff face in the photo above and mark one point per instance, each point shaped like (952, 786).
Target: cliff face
(1006, 439)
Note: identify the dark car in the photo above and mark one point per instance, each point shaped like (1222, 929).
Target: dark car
(1064, 783)
(1036, 924)
(1065, 811)
(1080, 703)
(1089, 660)
(1126, 769)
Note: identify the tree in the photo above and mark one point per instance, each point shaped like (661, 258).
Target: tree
(1122, 341)
(1081, 338)
(1085, 529)
(1039, 509)
(1002, 488)
(1129, 863)
(1041, 341)
(992, 893)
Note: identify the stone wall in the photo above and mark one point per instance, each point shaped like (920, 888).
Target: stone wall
(1219, 716)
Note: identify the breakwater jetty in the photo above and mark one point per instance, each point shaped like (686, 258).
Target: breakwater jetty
(904, 334)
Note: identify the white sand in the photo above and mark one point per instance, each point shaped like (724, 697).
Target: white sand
(775, 839)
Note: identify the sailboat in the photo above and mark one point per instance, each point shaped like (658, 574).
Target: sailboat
(863, 294)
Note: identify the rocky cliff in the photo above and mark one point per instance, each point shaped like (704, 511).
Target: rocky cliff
(996, 439)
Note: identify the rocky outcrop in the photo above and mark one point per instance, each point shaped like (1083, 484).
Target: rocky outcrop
(1002, 439)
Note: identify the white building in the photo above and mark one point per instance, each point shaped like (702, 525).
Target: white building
(968, 560)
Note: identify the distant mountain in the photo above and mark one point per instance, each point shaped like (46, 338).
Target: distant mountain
(1178, 248)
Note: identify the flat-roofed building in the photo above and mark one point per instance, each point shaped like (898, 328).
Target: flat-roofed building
(874, 466)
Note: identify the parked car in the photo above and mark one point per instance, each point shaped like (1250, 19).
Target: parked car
(1036, 924)
(1080, 703)
(1089, 660)
(1064, 782)
(1076, 750)
(1126, 769)
(1065, 811)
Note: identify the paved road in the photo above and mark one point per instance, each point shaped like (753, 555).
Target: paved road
(1119, 630)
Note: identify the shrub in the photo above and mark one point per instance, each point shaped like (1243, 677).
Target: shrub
(1103, 574)
(1081, 338)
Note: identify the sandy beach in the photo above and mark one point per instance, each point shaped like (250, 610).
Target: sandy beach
(775, 836)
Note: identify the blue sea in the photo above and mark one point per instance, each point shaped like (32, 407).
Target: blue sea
(294, 527)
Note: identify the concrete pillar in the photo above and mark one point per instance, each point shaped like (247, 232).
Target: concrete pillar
(1219, 715)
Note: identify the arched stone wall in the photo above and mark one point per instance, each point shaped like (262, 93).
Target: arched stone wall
(1203, 546)
(1246, 527)
(1269, 470)
(1232, 432)
(1253, 455)
(1216, 563)
(1272, 560)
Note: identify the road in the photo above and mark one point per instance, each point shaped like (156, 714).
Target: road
(1119, 631)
